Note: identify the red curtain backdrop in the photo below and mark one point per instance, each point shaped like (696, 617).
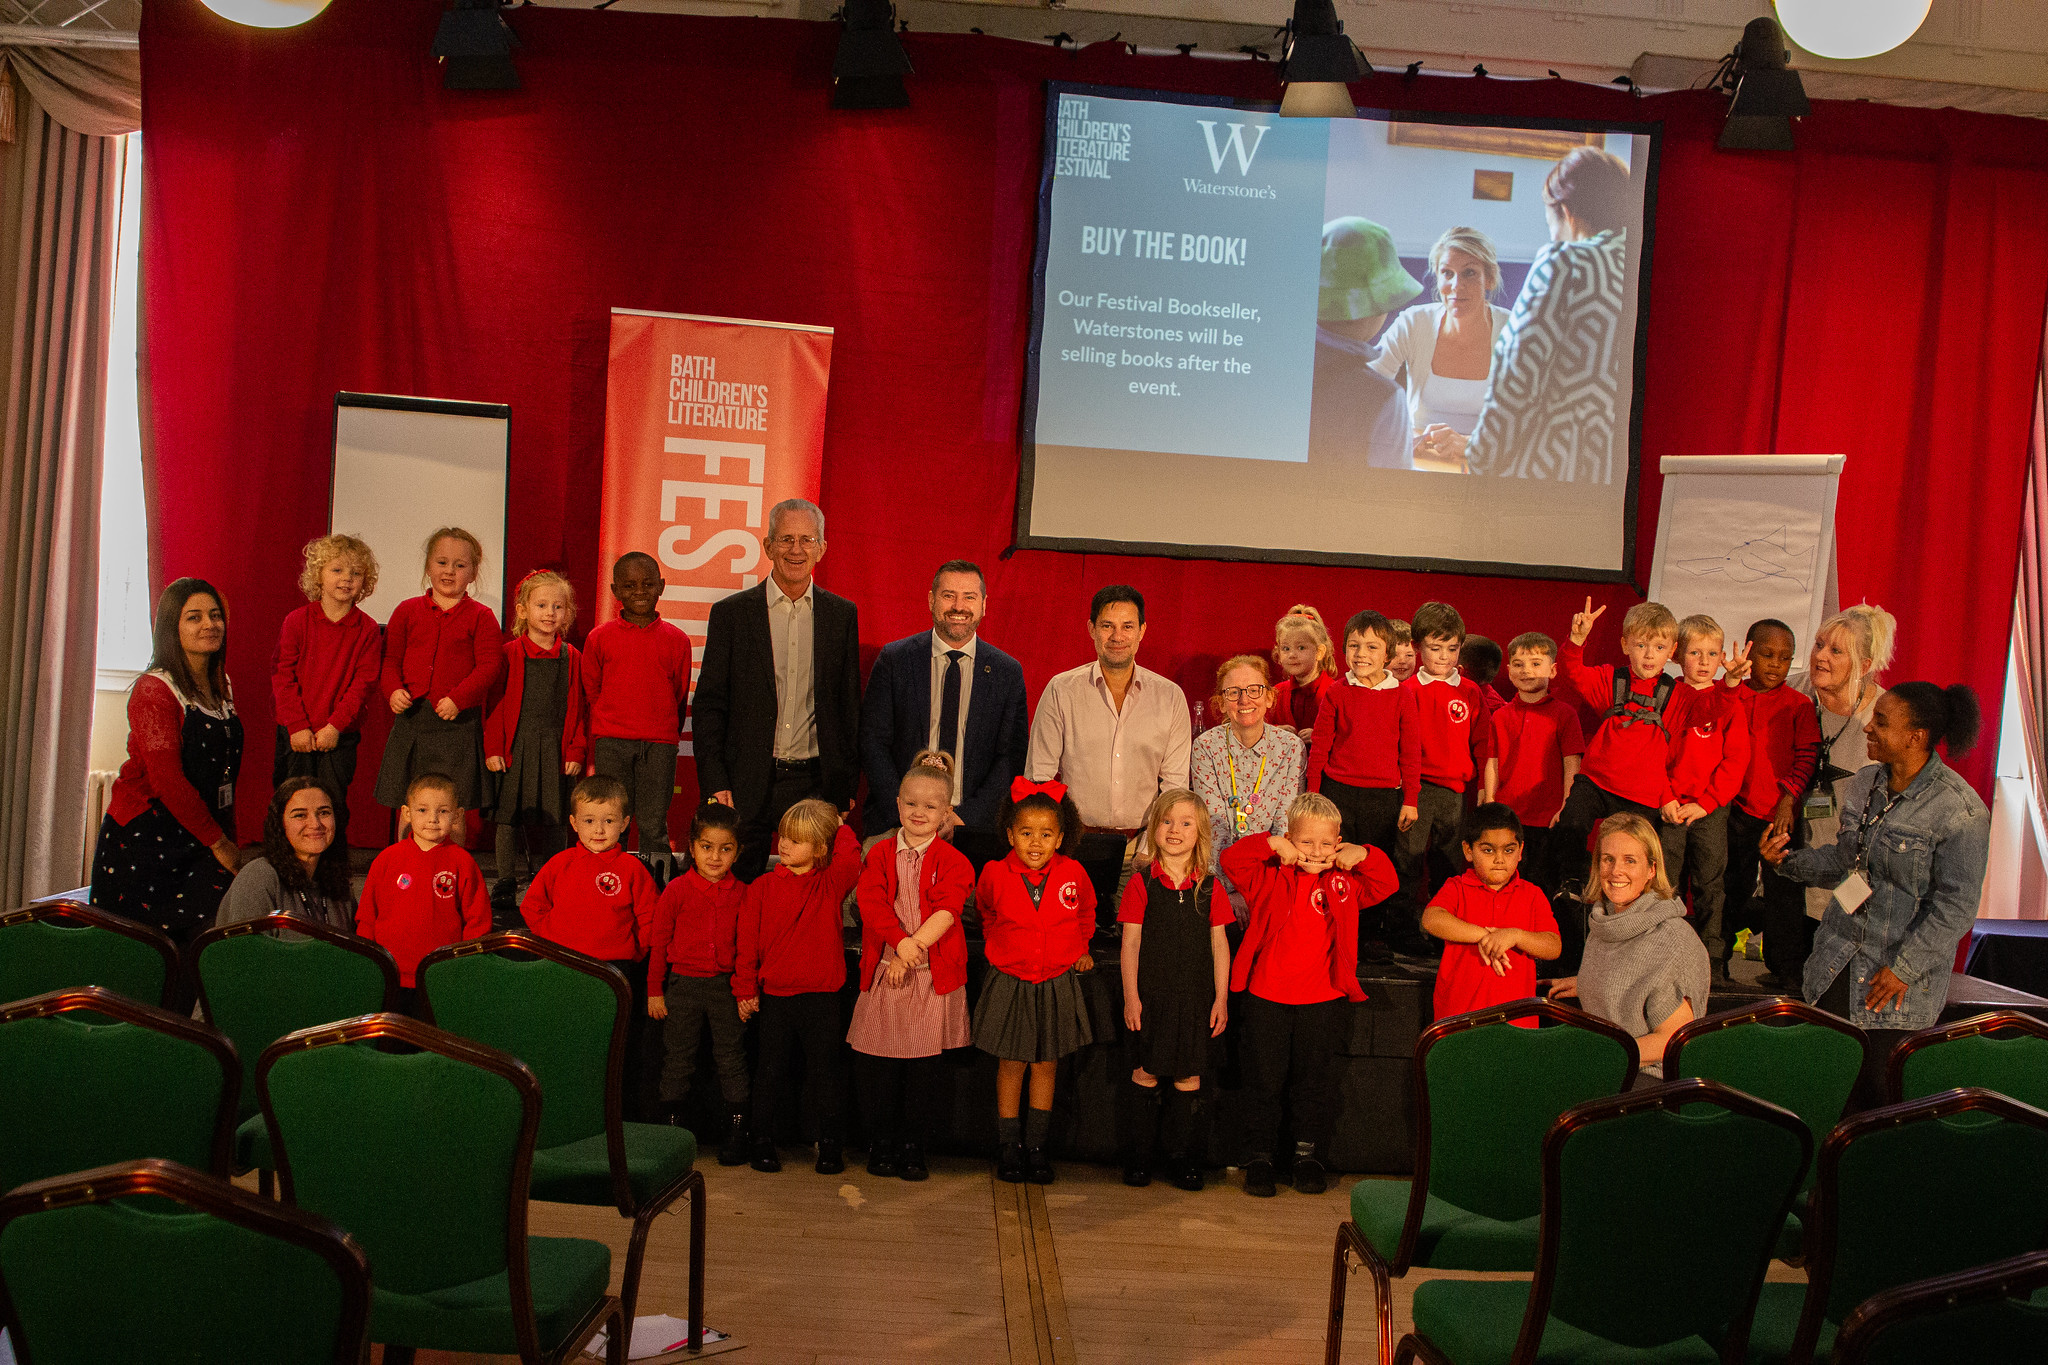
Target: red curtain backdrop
(322, 215)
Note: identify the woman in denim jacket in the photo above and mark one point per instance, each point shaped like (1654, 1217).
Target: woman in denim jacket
(1913, 844)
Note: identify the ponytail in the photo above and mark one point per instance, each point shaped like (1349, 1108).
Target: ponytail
(1951, 716)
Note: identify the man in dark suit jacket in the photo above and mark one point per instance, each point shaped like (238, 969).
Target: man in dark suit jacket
(906, 710)
(778, 699)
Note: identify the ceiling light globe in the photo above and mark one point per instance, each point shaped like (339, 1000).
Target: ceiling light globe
(1850, 29)
(267, 13)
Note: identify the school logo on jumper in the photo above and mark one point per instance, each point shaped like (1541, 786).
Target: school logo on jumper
(1338, 887)
(444, 883)
(1315, 899)
(608, 883)
(1460, 710)
(1704, 731)
(405, 881)
(1070, 896)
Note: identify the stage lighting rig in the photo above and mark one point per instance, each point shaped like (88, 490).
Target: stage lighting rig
(475, 45)
(868, 70)
(1318, 63)
(1767, 94)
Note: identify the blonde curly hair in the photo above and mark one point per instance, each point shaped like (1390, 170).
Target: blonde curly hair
(324, 551)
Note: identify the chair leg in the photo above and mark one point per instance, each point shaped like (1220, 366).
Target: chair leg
(636, 1251)
(1349, 1240)
(696, 1342)
(620, 1338)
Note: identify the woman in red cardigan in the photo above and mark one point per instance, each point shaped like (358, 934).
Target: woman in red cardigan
(167, 851)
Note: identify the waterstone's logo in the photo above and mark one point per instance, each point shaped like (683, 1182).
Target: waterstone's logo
(1233, 145)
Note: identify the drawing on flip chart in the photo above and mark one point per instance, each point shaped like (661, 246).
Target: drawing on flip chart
(1768, 556)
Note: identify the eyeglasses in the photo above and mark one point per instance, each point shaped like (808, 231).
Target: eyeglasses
(1256, 692)
(804, 543)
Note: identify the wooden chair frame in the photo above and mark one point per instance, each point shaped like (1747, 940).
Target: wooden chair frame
(1821, 1215)
(1995, 1021)
(691, 1182)
(79, 913)
(427, 1038)
(195, 987)
(112, 1004)
(1757, 1012)
(210, 1195)
(1985, 1284)
(1351, 1241)
(1672, 1095)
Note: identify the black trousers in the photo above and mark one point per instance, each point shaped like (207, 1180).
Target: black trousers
(1788, 933)
(1289, 1056)
(696, 1005)
(896, 1095)
(648, 768)
(1697, 854)
(1539, 858)
(1877, 1045)
(335, 769)
(809, 1024)
(1583, 811)
(793, 782)
(1435, 832)
(1372, 816)
(1101, 855)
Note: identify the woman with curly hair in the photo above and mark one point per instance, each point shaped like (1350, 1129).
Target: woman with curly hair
(303, 869)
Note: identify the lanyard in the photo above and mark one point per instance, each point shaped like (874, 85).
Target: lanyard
(1240, 812)
(1871, 822)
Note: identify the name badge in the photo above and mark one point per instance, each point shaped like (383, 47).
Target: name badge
(227, 796)
(1852, 893)
(1820, 804)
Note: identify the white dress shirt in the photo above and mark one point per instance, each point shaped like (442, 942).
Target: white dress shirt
(790, 629)
(931, 734)
(1113, 762)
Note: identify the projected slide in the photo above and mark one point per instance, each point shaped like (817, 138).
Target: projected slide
(1379, 340)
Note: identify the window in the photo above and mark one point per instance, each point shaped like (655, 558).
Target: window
(124, 525)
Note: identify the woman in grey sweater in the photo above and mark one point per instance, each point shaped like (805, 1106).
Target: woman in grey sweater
(303, 871)
(1645, 970)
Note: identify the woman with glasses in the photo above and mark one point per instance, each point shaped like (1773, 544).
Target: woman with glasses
(1246, 771)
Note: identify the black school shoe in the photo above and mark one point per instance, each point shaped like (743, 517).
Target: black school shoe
(882, 1160)
(1010, 1163)
(1309, 1177)
(1258, 1179)
(1137, 1174)
(831, 1157)
(1038, 1166)
(765, 1160)
(733, 1151)
(911, 1164)
(1187, 1175)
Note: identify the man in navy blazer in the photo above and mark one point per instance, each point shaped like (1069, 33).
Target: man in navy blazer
(906, 705)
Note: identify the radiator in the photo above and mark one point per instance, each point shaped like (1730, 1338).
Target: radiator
(99, 790)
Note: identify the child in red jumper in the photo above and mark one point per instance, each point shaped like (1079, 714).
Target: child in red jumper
(534, 740)
(442, 653)
(1537, 742)
(636, 677)
(1299, 961)
(1455, 744)
(1626, 761)
(1784, 748)
(689, 974)
(913, 969)
(1495, 926)
(1037, 910)
(328, 654)
(788, 968)
(424, 891)
(1709, 760)
(1366, 756)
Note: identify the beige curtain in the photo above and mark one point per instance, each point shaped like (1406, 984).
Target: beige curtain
(60, 208)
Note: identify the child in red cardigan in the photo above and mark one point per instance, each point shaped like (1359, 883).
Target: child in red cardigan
(424, 891)
(636, 676)
(1494, 925)
(1784, 749)
(1455, 742)
(442, 652)
(1037, 910)
(1299, 962)
(1709, 760)
(325, 668)
(534, 739)
(689, 974)
(789, 966)
(913, 969)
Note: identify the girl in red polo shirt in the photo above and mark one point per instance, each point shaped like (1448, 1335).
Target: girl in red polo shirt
(534, 736)
(1037, 913)
(913, 969)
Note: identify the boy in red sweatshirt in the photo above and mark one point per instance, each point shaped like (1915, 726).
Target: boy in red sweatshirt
(689, 974)
(1784, 747)
(423, 891)
(788, 968)
(1709, 760)
(1455, 744)
(1495, 926)
(1624, 768)
(1536, 747)
(328, 656)
(1299, 963)
(636, 681)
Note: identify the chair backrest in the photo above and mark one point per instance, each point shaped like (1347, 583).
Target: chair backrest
(1487, 1091)
(89, 1078)
(561, 1013)
(256, 987)
(59, 944)
(89, 1274)
(2004, 1050)
(1920, 1189)
(1689, 1181)
(1785, 1052)
(424, 1157)
(1981, 1314)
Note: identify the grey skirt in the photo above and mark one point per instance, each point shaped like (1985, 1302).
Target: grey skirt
(532, 787)
(421, 742)
(1032, 1021)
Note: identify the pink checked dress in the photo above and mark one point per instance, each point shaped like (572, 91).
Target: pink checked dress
(910, 1020)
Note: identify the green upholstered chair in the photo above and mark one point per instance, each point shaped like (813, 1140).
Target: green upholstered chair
(1978, 1315)
(89, 1078)
(198, 1273)
(256, 987)
(564, 1015)
(55, 944)
(1486, 1092)
(1905, 1193)
(1660, 1209)
(2004, 1051)
(424, 1156)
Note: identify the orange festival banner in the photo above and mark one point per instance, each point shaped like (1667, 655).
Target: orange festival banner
(708, 422)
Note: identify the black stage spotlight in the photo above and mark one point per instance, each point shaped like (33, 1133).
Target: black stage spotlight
(1768, 94)
(1318, 63)
(870, 66)
(476, 44)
